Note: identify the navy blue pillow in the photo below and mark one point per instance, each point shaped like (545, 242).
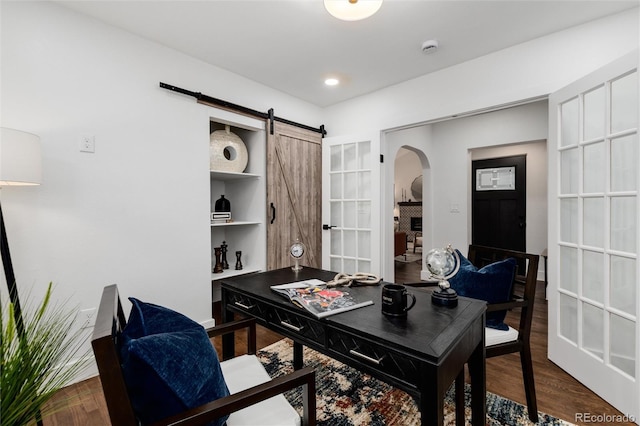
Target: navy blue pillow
(491, 283)
(169, 363)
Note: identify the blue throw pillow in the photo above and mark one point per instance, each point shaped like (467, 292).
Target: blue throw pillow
(491, 283)
(168, 363)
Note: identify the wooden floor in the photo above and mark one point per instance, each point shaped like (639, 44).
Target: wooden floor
(558, 393)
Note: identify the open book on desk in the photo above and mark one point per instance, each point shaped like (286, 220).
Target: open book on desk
(314, 296)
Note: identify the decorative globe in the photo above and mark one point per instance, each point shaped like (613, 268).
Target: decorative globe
(440, 262)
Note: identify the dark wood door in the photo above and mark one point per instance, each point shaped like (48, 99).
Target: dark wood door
(499, 202)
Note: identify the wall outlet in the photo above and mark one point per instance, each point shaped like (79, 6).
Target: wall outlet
(87, 318)
(88, 144)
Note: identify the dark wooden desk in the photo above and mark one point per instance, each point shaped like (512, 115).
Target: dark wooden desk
(421, 354)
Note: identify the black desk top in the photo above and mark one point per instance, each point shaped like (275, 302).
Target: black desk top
(428, 330)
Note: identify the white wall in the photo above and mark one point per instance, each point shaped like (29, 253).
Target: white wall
(407, 168)
(527, 71)
(524, 71)
(136, 212)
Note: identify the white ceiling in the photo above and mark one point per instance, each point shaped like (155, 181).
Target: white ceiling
(292, 45)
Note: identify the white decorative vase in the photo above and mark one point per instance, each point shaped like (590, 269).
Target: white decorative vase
(227, 152)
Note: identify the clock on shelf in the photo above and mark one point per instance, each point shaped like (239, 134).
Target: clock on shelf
(297, 250)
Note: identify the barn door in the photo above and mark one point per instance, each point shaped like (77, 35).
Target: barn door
(294, 182)
(594, 232)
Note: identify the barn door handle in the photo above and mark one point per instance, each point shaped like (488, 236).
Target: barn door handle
(273, 213)
(326, 227)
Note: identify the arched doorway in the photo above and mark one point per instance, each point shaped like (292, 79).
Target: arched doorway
(411, 219)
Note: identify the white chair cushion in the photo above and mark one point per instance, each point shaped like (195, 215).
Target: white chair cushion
(243, 372)
(495, 337)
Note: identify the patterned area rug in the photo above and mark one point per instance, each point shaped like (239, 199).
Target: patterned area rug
(408, 258)
(346, 397)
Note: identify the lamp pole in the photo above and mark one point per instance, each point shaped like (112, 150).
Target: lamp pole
(10, 276)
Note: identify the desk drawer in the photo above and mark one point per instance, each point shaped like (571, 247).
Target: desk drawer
(248, 305)
(297, 326)
(376, 356)
(289, 323)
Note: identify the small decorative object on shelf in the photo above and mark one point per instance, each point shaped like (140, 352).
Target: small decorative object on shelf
(296, 251)
(218, 266)
(222, 205)
(222, 211)
(223, 247)
(238, 261)
(443, 263)
(227, 152)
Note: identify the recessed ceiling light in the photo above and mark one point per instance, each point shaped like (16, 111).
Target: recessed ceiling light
(352, 10)
(331, 81)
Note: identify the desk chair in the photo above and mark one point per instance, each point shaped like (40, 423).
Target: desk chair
(254, 396)
(498, 342)
(516, 338)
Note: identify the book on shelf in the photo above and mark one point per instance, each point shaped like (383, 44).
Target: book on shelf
(321, 301)
(220, 217)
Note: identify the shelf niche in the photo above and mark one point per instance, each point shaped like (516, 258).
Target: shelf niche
(246, 193)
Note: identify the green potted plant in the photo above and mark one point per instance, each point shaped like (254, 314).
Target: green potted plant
(38, 360)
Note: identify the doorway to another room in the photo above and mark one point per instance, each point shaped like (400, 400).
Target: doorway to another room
(408, 215)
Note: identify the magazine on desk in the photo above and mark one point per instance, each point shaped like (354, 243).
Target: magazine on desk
(314, 296)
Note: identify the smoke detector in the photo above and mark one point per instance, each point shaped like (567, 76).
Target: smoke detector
(430, 46)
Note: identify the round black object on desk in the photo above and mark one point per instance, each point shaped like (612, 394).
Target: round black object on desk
(444, 297)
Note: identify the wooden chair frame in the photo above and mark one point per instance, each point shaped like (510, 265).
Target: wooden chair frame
(523, 294)
(110, 321)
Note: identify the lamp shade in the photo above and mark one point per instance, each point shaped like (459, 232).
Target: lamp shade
(20, 158)
(352, 10)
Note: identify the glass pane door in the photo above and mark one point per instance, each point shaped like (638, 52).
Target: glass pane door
(593, 302)
(351, 242)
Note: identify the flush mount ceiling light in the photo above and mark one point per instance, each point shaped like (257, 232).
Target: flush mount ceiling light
(331, 81)
(352, 10)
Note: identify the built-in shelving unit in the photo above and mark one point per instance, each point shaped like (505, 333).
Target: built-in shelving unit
(246, 192)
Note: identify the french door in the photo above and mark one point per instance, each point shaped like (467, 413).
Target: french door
(594, 232)
(351, 204)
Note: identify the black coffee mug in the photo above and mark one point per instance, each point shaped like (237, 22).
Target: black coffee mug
(394, 300)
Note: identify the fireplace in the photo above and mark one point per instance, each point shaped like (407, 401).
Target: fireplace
(410, 218)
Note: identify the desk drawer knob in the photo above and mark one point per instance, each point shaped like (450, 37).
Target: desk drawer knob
(243, 306)
(366, 358)
(291, 326)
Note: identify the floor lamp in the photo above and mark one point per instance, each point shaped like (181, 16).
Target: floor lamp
(20, 165)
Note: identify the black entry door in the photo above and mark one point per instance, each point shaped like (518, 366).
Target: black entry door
(499, 202)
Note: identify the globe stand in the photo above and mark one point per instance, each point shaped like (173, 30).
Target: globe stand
(444, 296)
(443, 264)
(296, 267)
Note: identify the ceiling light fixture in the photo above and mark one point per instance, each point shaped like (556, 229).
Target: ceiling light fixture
(331, 81)
(352, 10)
